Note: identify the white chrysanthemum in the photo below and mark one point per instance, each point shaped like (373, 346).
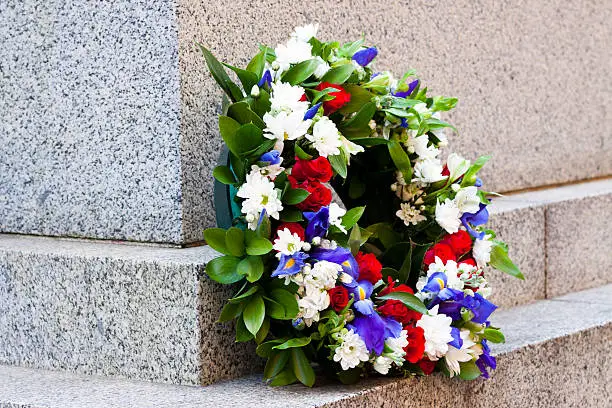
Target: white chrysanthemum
(349, 148)
(448, 216)
(323, 275)
(396, 345)
(305, 33)
(287, 243)
(259, 194)
(286, 97)
(437, 331)
(311, 304)
(325, 137)
(409, 214)
(457, 166)
(322, 68)
(351, 351)
(419, 144)
(467, 200)
(270, 171)
(293, 52)
(482, 251)
(285, 126)
(382, 364)
(454, 356)
(335, 216)
(428, 171)
(450, 269)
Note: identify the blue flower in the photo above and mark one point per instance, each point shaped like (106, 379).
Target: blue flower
(290, 264)
(266, 78)
(362, 292)
(486, 360)
(272, 157)
(436, 284)
(371, 329)
(406, 93)
(365, 56)
(470, 221)
(478, 182)
(457, 341)
(310, 113)
(404, 123)
(341, 256)
(480, 307)
(318, 223)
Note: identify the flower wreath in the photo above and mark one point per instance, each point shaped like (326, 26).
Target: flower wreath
(402, 293)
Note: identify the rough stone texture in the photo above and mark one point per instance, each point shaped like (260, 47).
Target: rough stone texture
(109, 116)
(578, 244)
(556, 355)
(135, 311)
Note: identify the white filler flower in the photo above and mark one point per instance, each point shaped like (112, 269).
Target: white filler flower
(382, 364)
(482, 251)
(259, 194)
(325, 137)
(352, 351)
(409, 214)
(448, 215)
(437, 331)
(335, 216)
(428, 171)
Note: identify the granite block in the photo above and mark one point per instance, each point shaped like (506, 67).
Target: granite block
(119, 310)
(556, 355)
(578, 244)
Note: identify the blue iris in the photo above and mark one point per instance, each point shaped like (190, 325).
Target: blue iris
(365, 56)
(480, 307)
(318, 223)
(457, 341)
(362, 292)
(310, 113)
(406, 93)
(486, 360)
(272, 157)
(341, 256)
(436, 284)
(290, 264)
(265, 79)
(470, 221)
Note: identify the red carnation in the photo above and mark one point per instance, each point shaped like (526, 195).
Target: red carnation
(460, 242)
(427, 366)
(319, 194)
(341, 97)
(293, 227)
(398, 311)
(392, 288)
(440, 250)
(339, 298)
(318, 169)
(369, 267)
(416, 344)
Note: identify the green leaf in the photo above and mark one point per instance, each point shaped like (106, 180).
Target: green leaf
(384, 232)
(238, 299)
(354, 241)
(299, 152)
(295, 196)
(264, 350)
(291, 215)
(300, 72)
(224, 175)
(359, 97)
(295, 342)
(228, 128)
(287, 300)
(229, 312)
(285, 377)
(338, 163)
(408, 299)
(247, 78)
(386, 272)
(258, 246)
(224, 269)
(263, 331)
(404, 271)
(249, 137)
(253, 314)
(418, 253)
(400, 159)
(494, 335)
(469, 371)
(219, 74)
(242, 333)
(501, 262)
(361, 118)
(275, 364)
(241, 112)
(234, 241)
(258, 64)
(301, 367)
(215, 238)
(469, 178)
(352, 216)
(252, 267)
(350, 376)
(338, 75)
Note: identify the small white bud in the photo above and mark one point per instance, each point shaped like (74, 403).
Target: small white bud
(255, 91)
(306, 246)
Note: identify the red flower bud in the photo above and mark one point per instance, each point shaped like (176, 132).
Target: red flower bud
(339, 297)
(341, 97)
(317, 169)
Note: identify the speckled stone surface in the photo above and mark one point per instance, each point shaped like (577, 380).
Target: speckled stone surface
(120, 310)
(556, 355)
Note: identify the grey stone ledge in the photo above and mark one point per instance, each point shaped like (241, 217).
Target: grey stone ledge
(533, 367)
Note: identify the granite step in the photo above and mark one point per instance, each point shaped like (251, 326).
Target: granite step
(556, 354)
(148, 312)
